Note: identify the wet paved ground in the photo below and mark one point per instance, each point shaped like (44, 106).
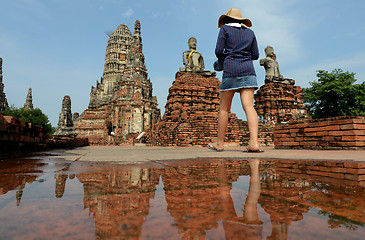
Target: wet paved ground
(183, 193)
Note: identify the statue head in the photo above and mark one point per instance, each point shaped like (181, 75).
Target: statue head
(269, 51)
(192, 43)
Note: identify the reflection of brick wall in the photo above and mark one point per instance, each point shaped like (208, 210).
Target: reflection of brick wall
(331, 133)
(338, 172)
(335, 187)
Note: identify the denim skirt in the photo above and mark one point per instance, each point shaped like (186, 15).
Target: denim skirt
(235, 83)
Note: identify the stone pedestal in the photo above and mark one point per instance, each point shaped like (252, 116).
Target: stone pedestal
(279, 102)
(191, 114)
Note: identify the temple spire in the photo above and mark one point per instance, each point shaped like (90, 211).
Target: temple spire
(3, 101)
(137, 31)
(28, 105)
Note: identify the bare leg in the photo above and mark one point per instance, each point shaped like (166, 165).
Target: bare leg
(247, 95)
(224, 108)
(250, 214)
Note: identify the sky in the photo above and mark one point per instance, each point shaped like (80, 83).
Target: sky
(57, 47)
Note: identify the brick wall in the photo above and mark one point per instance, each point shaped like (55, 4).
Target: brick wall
(330, 133)
(17, 136)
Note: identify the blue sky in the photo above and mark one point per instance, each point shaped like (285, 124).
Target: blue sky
(57, 47)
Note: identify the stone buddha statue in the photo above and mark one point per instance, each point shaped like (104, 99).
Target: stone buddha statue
(193, 60)
(271, 66)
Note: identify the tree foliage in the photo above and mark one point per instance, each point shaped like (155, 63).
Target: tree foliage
(335, 94)
(35, 116)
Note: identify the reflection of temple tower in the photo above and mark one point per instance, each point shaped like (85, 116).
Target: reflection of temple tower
(3, 101)
(119, 200)
(60, 184)
(124, 94)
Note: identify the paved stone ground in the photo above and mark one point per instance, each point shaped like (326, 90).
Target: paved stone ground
(132, 155)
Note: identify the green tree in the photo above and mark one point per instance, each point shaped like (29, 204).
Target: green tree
(335, 94)
(35, 116)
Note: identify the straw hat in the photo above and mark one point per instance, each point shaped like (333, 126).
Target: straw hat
(235, 14)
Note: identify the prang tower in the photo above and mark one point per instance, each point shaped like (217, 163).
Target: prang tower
(3, 101)
(123, 97)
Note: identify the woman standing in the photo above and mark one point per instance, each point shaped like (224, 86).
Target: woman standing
(236, 49)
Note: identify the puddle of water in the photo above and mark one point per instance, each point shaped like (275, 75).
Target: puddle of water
(44, 198)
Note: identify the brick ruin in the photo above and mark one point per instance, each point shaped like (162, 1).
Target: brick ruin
(3, 101)
(123, 97)
(191, 114)
(278, 102)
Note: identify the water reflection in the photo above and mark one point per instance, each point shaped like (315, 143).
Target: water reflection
(184, 199)
(118, 199)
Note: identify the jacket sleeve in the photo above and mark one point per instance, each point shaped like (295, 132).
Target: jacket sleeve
(254, 49)
(219, 49)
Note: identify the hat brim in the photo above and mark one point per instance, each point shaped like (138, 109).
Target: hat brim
(246, 21)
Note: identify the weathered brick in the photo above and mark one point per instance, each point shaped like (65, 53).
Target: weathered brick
(352, 177)
(353, 138)
(336, 175)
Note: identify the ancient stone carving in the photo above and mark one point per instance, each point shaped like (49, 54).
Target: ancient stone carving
(193, 60)
(271, 66)
(65, 125)
(28, 105)
(3, 101)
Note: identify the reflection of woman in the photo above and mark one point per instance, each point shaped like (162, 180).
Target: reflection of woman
(236, 48)
(249, 225)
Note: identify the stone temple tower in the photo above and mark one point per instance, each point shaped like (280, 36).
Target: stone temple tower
(123, 97)
(3, 101)
(65, 125)
(28, 105)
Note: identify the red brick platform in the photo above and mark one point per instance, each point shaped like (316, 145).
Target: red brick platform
(332, 133)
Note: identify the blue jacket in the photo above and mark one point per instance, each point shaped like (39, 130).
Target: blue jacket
(236, 48)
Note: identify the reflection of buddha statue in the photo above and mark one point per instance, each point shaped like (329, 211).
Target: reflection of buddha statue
(193, 60)
(271, 66)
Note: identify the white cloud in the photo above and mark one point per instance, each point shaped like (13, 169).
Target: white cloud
(128, 13)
